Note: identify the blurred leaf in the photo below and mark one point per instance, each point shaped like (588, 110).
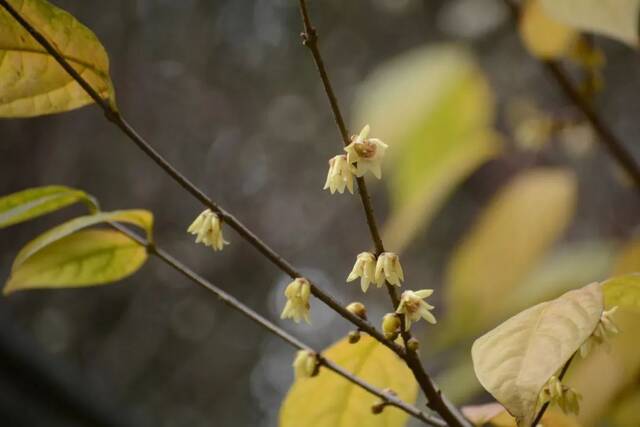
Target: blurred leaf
(140, 218)
(32, 82)
(623, 291)
(459, 382)
(34, 202)
(516, 359)
(435, 108)
(626, 413)
(494, 414)
(328, 400)
(505, 244)
(613, 18)
(543, 36)
(86, 258)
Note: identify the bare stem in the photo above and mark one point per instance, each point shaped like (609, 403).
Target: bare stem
(235, 304)
(538, 418)
(118, 120)
(436, 400)
(607, 138)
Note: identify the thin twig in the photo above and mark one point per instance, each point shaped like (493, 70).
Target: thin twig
(118, 120)
(436, 401)
(229, 300)
(612, 144)
(538, 417)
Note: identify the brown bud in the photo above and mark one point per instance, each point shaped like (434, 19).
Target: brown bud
(354, 337)
(413, 344)
(358, 309)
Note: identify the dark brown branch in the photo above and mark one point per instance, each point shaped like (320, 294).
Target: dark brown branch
(607, 138)
(436, 401)
(235, 304)
(538, 417)
(116, 118)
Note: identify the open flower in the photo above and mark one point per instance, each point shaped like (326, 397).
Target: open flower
(305, 364)
(556, 393)
(388, 268)
(365, 269)
(604, 330)
(208, 230)
(340, 175)
(366, 153)
(297, 306)
(413, 307)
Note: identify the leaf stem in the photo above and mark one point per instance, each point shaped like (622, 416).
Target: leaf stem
(436, 400)
(235, 304)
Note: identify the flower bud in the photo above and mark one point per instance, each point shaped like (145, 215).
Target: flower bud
(413, 344)
(354, 337)
(377, 408)
(390, 325)
(358, 309)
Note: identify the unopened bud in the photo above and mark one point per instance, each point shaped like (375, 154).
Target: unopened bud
(354, 337)
(413, 344)
(378, 408)
(358, 309)
(390, 325)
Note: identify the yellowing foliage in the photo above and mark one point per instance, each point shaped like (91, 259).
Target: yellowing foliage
(544, 36)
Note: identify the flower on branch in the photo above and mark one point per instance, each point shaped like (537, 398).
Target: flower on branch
(365, 268)
(207, 228)
(305, 365)
(297, 306)
(604, 330)
(388, 268)
(556, 393)
(413, 307)
(340, 175)
(366, 153)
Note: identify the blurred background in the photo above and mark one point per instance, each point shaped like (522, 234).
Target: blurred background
(497, 194)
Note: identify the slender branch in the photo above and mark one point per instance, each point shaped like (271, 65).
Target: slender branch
(229, 300)
(538, 417)
(611, 143)
(118, 120)
(436, 400)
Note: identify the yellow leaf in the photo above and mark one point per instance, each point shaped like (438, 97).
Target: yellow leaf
(86, 258)
(623, 291)
(34, 202)
(435, 109)
(613, 18)
(140, 218)
(329, 400)
(543, 35)
(515, 360)
(494, 415)
(32, 83)
(506, 243)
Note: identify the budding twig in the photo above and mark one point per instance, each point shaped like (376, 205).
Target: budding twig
(235, 304)
(564, 370)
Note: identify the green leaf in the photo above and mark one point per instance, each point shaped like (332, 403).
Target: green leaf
(86, 258)
(140, 218)
(32, 83)
(515, 360)
(435, 109)
(501, 250)
(623, 291)
(329, 400)
(613, 18)
(34, 202)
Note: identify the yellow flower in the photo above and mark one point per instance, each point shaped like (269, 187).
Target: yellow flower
(603, 331)
(297, 306)
(556, 393)
(340, 175)
(366, 153)
(208, 230)
(365, 268)
(388, 268)
(305, 364)
(413, 307)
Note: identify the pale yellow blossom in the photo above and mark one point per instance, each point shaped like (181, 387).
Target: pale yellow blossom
(366, 153)
(413, 307)
(364, 268)
(340, 175)
(388, 268)
(556, 393)
(604, 330)
(297, 306)
(207, 228)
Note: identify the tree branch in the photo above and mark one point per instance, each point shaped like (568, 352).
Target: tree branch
(118, 120)
(436, 401)
(235, 304)
(611, 143)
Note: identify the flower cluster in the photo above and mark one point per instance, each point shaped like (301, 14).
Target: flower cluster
(305, 365)
(363, 155)
(386, 268)
(413, 307)
(556, 393)
(603, 331)
(207, 228)
(297, 306)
